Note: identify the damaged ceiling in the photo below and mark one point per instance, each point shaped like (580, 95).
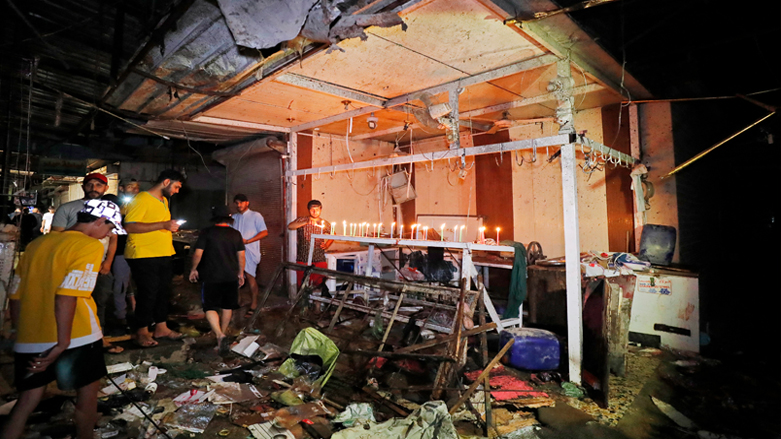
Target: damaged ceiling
(220, 71)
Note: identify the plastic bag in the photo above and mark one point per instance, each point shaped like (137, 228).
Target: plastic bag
(193, 417)
(310, 341)
(355, 413)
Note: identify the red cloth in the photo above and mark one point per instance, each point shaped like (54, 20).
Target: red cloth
(505, 386)
(315, 279)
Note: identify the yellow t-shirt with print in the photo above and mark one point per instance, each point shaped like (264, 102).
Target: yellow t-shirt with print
(60, 263)
(146, 208)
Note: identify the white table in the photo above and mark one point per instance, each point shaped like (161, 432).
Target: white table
(468, 270)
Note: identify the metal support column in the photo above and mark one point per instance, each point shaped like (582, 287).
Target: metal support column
(572, 256)
(290, 207)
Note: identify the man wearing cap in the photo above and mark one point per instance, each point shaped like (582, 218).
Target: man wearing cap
(58, 337)
(253, 229)
(149, 252)
(218, 261)
(94, 186)
(305, 226)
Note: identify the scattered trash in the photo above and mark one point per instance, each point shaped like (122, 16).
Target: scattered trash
(572, 390)
(193, 418)
(421, 424)
(677, 417)
(192, 397)
(229, 393)
(308, 342)
(120, 367)
(247, 346)
(267, 430)
(355, 413)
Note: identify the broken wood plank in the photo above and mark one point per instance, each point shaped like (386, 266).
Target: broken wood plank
(482, 329)
(390, 321)
(385, 354)
(386, 402)
(482, 376)
(341, 306)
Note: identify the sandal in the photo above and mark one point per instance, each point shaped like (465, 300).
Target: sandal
(144, 344)
(173, 335)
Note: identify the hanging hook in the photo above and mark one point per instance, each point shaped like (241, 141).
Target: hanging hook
(534, 150)
(518, 153)
(500, 162)
(333, 172)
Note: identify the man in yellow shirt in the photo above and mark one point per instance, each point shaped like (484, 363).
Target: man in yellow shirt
(149, 252)
(58, 332)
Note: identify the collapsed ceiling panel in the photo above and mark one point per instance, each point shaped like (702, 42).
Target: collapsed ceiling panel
(444, 41)
(261, 24)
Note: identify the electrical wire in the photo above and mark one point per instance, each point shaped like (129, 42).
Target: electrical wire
(191, 147)
(138, 407)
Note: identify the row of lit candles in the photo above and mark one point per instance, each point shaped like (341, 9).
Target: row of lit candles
(362, 230)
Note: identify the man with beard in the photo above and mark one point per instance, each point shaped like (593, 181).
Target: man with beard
(149, 252)
(94, 186)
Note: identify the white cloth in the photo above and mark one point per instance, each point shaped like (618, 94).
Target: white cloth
(47, 222)
(249, 224)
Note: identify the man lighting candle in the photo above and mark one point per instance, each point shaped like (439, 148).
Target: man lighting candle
(305, 226)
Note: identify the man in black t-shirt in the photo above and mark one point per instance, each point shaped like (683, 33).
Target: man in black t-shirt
(218, 262)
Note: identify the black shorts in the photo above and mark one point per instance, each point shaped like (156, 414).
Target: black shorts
(220, 295)
(73, 369)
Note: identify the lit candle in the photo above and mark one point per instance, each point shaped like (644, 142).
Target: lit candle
(461, 234)
(344, 228)
(352, 229)
(482, 235)
(374, 232)
(364, 230)
(401, 231)
(497, 236)
(322, 227)
(379, 229)
(455, 233)
(412, 234)
(417, 232)
(425, 235)
(442, 232)
(393, 226)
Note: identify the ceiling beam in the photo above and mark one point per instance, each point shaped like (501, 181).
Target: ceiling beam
(479, 78)
(331, 89)
(335, 118)
(240, 124)
(559, 139)
(583, 89)
(490, 75)
(381, 133)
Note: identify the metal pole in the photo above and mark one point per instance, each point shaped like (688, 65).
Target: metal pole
(572, 257)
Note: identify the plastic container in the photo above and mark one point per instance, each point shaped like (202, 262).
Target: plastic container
(657, 244)
(534, 349)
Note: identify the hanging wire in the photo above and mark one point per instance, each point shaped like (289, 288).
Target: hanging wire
(187, 137)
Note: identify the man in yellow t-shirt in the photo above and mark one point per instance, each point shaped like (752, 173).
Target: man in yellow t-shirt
(149, 252)
(58, 332)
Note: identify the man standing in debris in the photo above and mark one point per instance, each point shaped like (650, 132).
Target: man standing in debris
(305, 226)
(149, 252)
(94, 186)
(218, 261)
(253, 229)
(57, 335)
